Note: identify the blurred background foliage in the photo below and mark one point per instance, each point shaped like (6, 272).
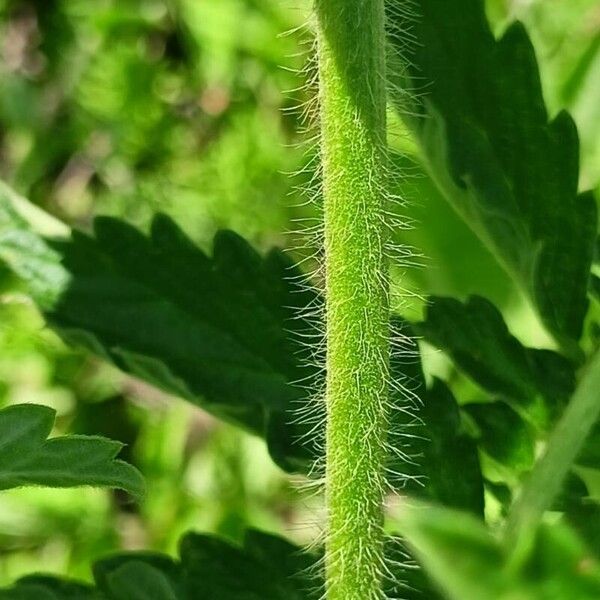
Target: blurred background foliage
(193, 108)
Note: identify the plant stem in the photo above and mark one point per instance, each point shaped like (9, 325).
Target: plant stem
(351, 55)
(550, 471)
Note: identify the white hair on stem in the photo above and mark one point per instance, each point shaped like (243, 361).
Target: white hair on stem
(399, 396)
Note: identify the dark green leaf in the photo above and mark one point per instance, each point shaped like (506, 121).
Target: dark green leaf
(584, 516)
(595, 287)
(537, 383)
(227, 332)
(581, 511)
(407, 435)
(46, 587)
(590, 454)
(451, 458)
(508, 170)
(504, 435)
(265, 567)
(27, 457)
(198, 327)
(231, 333)
(139, 576)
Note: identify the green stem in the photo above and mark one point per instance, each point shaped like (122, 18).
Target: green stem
(550, 471)
(353, 129)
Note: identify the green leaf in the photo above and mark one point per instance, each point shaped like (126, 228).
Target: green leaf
(46, 587)
(265, 567)
(231, 332)
(456, 550)
(506, 168)
(27, 457)
(584, 517)
(197, 326)
(468, 563)
(581, 511)
(503, 435)
(536, 383)
(595, 287)
(408, 435)
(561, 566)
(297, 565)
(451, 458)
(139, 576)
(227, 332)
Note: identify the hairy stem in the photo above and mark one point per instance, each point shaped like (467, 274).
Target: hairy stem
(549, 473)
(353, 129)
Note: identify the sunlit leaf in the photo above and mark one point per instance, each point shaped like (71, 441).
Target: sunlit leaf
(27, 457)
(537, 383)
(508, 168)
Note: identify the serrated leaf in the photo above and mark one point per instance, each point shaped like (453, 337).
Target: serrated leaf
(227, 332)
(27, 457)
(212, 328)
(537, 383)
(506, 168)
(265, 566)
(231, 332)
(298, 565)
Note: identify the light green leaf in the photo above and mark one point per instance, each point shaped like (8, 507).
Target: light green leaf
(456, 550)
(468, 563)
(27, 457)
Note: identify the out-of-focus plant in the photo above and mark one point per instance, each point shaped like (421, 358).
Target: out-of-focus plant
(497, 476)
